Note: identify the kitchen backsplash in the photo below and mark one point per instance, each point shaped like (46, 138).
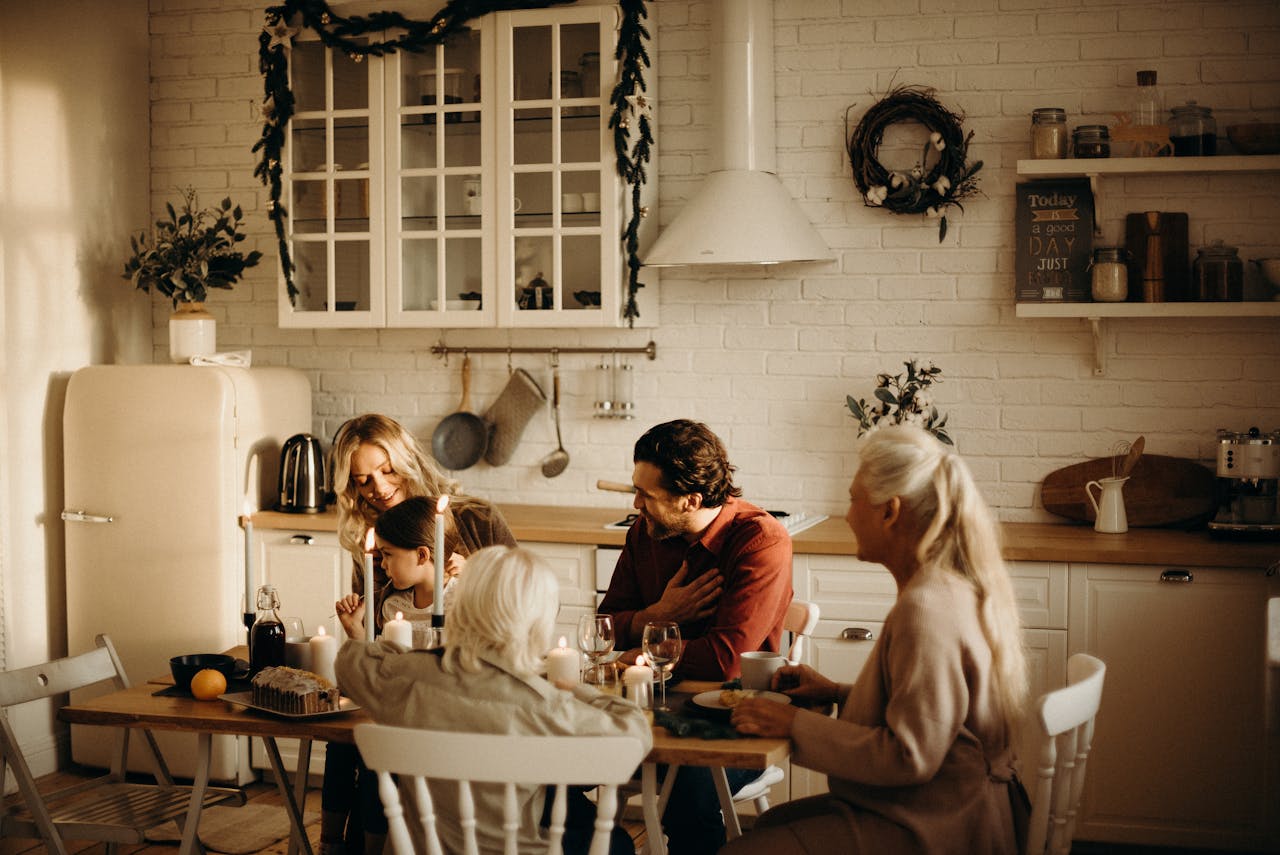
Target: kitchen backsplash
(767, 356)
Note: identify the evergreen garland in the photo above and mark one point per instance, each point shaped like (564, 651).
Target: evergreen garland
(345, 34)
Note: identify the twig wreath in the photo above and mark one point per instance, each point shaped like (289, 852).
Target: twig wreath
(347, 34)
(939, 180)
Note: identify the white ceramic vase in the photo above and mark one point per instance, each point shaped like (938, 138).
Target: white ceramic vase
(192, 332)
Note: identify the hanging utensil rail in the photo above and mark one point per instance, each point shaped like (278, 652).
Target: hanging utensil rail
(443, 350)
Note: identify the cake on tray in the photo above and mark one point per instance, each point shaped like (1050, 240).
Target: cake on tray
(291, 690)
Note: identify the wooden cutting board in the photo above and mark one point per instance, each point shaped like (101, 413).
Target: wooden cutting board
(1161, 491)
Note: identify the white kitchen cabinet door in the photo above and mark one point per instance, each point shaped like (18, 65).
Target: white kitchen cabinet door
(1181, 754)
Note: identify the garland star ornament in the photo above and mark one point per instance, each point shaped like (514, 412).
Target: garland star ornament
(639, 104)
(281, 35)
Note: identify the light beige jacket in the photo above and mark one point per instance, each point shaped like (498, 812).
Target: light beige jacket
(410, 689)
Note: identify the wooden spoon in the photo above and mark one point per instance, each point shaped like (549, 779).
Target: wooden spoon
(1131, 459)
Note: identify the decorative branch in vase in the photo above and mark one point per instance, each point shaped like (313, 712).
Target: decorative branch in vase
(902, 400)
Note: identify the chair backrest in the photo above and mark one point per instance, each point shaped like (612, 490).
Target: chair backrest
(510, 760)
(801, 620)
(1066, 718)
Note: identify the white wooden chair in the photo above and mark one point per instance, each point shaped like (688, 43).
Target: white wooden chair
(505, 759)
(106, 808)
(801, 620)
(1066, 718)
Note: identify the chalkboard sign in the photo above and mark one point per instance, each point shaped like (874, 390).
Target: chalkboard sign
(1054, 230)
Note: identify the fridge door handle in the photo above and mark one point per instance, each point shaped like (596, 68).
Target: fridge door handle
(81, 516)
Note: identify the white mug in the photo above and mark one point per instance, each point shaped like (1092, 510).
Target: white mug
(758, 667)
(471, 193)
(1109, 508)
(591, 201)
(571, 203)
(517, 204)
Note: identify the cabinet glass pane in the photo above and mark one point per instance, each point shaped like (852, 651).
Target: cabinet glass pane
(531, 57)
(423, 84)
(533, 192)
(580, 261)
(532, 129)
(307, 145)
(462, 139)
(306, 76)
(312, 275)
(462, 268)
(417, 143)
(418, 203)
(417, 274)
(579, 139)
(351, 275)
(579, 66)
(351, 205)
(463, 52)
(581, 198)
(308, 207)
(351, 143)
(461, 199)
(350, 82)
(533, 259)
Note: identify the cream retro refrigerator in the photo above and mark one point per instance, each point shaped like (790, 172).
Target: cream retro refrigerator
(160, 463)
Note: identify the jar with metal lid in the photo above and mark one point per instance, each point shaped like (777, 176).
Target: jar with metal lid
(1218, 273)
(1088, 141)
(1193, 131)
(1048, 133)
(1110, 274)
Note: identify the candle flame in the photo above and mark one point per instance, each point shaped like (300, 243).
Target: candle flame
(399, 615)
(320, 630)
(442, 504)
(640, 660)
(368, 541)
(564, 642)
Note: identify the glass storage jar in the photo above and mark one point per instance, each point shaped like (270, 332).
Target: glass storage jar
(1110, 274)
(1048, 133)
(1193, 131)
(1218, 273)
(1090, 141)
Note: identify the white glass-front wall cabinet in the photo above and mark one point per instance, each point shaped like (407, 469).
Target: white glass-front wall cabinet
(472, 185)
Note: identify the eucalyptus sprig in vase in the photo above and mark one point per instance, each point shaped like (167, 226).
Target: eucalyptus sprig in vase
(902, 399)
(187, 254)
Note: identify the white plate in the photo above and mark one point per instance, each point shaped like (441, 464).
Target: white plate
(711, 700)
(245, 699)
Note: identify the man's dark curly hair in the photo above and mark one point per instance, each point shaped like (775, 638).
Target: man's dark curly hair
(691, 458)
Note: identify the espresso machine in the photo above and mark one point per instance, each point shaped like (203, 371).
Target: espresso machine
(1248, 476)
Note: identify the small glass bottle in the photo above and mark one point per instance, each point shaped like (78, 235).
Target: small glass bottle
(1048, 133)
(1147, 113)
(1193, 131)
(267, 637)
(1090, 141)
(624, 377)
(1110, 274)
(604, 391)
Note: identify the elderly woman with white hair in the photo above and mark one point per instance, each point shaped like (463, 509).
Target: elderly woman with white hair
(919, 759)
(500, 621)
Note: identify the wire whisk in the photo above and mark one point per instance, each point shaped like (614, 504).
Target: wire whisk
(1119, 452)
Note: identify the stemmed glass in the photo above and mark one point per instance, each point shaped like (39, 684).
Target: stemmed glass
(662, 647)
(595, 639)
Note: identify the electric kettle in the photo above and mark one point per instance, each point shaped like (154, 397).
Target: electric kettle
(302, 481)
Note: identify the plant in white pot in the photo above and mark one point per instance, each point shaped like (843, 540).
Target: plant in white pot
(187, 254)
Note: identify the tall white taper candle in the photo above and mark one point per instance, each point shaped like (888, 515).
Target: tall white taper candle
(437, 593)
(369, 598)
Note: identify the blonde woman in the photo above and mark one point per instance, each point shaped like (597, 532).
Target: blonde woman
(920, 758)
(377, 464)
(501, 618)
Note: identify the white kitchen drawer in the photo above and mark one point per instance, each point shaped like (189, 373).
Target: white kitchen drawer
(310, 571)
(574, 566)
(1040, 587)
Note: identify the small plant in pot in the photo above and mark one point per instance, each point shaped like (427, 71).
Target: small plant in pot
(187, 254)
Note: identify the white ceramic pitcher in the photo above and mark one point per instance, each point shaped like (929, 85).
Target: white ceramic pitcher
(1108, 508)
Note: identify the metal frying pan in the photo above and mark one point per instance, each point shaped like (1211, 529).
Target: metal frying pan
(460, 439)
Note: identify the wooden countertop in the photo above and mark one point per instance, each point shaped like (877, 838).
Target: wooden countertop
(1023, 541)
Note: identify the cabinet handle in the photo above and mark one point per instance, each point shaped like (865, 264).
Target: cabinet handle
(303, 539)
(857, 633)
(1176, 574)
(82, 516)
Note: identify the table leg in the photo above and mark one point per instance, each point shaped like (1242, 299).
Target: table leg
(732, 828)
(654, 842)
(298, 841)
(191, 822)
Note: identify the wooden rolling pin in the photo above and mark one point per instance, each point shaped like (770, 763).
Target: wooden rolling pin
(615, 486)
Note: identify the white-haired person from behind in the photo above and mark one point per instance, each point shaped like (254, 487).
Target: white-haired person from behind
(920, 758)
(486, 680)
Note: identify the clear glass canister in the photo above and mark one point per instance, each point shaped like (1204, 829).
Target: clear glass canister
(1193, 131)
(1088, 141)
(1048, 133)
(1218, 273)
(1110, 274)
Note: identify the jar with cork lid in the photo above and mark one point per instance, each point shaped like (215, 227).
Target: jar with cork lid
(1048, 133)
(1110, 274)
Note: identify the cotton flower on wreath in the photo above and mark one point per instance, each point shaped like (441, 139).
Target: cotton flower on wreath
(902, 400)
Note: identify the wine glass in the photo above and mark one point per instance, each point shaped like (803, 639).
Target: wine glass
(662, 647)
(595, 639)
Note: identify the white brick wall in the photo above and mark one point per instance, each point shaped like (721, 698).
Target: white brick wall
(767, 356)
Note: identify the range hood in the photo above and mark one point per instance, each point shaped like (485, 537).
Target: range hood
(742, 214)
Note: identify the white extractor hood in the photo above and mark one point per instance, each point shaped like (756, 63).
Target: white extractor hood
(741, 214)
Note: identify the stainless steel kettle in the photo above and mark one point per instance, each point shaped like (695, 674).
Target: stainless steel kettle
(302, 481)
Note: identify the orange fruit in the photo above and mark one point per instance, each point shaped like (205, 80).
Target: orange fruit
(207, 684)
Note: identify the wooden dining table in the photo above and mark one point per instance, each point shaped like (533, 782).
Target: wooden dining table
(138, 706)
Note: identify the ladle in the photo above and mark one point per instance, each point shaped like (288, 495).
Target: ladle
(555, 462)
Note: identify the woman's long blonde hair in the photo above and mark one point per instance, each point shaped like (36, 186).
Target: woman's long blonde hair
(960, 536)
(421, 477)
(504, 609)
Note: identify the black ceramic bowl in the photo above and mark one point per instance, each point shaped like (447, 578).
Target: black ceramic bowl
(184, 668)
